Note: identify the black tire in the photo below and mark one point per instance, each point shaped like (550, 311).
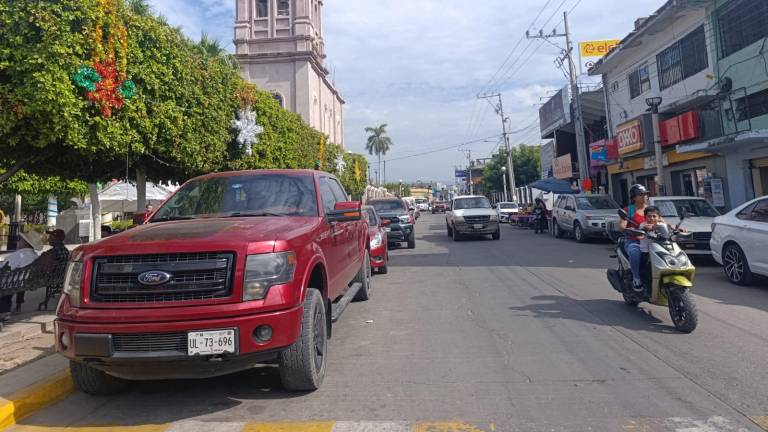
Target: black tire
(412, 240)
(496, 235)
(578, 233)
(450, 231)
(682, 310)
(364, 277)
(383, 270)
(556, 231)
(456, 236)
(303, 364)
(95, 382)
(736, 266)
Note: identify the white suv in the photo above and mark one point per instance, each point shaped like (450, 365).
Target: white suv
(739, 241)
(472, 215)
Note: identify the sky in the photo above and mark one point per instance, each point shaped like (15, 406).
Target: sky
(418, 66)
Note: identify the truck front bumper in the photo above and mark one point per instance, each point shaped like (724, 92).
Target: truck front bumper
(159, 350)
(471, 229)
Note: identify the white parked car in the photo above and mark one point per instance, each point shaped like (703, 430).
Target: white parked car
(422, 204)
(740, 241)
(505, 209)
(700, 215)
(472, 215)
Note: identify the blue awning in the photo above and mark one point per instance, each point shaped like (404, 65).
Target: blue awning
(555, 186)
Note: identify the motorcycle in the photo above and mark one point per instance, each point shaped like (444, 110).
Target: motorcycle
(539, 220)
(667, 274)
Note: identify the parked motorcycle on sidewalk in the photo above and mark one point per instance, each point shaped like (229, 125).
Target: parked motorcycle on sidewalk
(668, 274)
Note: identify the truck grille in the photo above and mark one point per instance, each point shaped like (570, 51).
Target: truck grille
(195, 276)
(150, 342)
(477, 219)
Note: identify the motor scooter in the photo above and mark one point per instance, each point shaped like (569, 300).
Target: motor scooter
(668, 274)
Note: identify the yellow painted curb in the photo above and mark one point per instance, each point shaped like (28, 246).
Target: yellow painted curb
(761, 421)
(326, 426)
(27, 401)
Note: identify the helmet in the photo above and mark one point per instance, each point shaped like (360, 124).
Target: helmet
(636, 190)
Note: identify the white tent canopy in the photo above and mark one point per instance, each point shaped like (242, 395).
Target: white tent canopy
(121, 197)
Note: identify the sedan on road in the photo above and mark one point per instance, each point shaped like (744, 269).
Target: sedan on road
(377, 236)
(739, 241)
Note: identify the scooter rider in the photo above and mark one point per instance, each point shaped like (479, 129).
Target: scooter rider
(540, 212)
(639, 196)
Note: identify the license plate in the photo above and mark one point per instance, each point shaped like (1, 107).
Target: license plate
(478, 226)
(211, 342)
(388, 229)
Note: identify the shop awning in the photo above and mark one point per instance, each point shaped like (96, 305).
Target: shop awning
(715, 144)
(554, 185)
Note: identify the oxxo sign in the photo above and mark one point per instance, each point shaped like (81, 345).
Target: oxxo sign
(630, 137)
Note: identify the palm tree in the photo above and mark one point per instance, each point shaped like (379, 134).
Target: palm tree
(211, 48)
(378, 143)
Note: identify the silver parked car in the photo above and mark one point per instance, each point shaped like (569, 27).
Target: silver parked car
(583, 215)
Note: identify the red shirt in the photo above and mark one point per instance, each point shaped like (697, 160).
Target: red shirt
(637, 220)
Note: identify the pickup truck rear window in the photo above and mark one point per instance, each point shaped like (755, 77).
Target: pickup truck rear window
(246, 195)
(388, 206)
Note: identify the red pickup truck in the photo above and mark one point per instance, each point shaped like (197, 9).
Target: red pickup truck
(235, 269)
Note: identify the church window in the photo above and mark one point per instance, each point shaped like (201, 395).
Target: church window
(262, 8)
(283, 8)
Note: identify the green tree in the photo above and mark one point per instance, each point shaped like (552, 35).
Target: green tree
(395, 189)
(527, 163)
(378, 143)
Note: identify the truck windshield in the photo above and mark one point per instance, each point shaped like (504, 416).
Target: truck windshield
(470, 203)
(694, 207)
(245, 195)
(388, 206)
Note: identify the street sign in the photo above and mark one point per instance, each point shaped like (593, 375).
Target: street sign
(461, 174)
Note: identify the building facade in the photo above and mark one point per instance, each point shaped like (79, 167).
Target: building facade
(672, 55)
(280, 47)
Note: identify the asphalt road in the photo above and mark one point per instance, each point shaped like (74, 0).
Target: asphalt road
(522, 334)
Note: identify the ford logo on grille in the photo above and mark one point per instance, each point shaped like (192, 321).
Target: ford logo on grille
(154, 278)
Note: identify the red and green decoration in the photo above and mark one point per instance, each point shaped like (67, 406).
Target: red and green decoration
(104, 81)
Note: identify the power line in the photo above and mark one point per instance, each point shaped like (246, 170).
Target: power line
(451, 147)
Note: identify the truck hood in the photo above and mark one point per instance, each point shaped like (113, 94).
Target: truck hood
(607, 213)
(475, 212)
(232, 233)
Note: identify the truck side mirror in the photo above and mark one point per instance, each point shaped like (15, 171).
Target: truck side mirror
(345, 212)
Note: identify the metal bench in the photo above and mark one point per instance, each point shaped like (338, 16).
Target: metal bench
(46, 272)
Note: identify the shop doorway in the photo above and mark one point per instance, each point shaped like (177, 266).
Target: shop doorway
(689, 182)
(760, 176)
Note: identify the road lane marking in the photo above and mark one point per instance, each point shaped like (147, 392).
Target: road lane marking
(326, 426)
(447, 427)
(349, 426)
(27, 401)
(142, 428)
(761, 421)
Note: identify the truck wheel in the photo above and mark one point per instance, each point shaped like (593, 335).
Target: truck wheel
(303, 364)
(556, 231)
(93, 381)
(412, 240)
(450, 231)
(364, 277)
(682, 310)
(456, 236)
(497, 235)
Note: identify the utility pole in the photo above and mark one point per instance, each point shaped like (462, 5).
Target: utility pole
(511, 172)
(581, 145)
(469, 171)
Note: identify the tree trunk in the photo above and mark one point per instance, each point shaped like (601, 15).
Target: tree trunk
(14, 169)
(141, 190)
(17, 208)
(95, 212)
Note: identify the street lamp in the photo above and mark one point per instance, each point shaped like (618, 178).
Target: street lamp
(504, 177)
(653, 107)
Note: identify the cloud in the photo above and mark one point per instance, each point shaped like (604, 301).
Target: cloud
(418, 66)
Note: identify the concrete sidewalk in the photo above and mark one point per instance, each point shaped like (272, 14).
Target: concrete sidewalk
(28, 335)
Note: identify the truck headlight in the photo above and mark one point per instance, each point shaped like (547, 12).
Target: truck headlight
(494, 218)
(73, 282)
(377, 241)
(266, 270)
(458, 218)
(596, 218)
